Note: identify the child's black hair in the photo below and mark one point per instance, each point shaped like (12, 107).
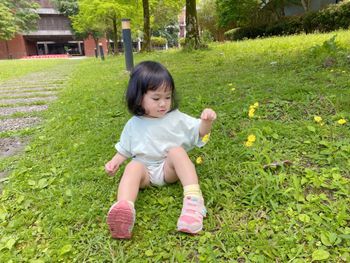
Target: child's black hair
(148, 75)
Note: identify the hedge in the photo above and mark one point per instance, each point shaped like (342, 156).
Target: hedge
(334, 17)
(158, 41)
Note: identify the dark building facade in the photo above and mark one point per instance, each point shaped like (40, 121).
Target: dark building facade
(53, 36)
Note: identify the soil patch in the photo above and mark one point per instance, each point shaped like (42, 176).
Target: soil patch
(12, 145)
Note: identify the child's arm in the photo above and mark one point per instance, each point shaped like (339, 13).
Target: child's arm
(113, 165)
(208, 116)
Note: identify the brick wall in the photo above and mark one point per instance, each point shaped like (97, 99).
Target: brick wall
(89, 46)
(16, 48)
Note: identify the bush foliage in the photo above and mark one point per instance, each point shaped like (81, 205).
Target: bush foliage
(158, 41)
(329, 19)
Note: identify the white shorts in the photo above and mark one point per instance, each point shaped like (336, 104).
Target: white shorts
(156, 174)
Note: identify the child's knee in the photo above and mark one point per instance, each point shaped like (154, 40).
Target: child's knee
(135, 165)
(135, 168)
(177, 151)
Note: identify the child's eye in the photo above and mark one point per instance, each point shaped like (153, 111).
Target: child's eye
(168, 98)
(155, 99)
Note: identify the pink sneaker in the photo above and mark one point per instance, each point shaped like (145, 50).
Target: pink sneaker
(121, 219)
(191, 218)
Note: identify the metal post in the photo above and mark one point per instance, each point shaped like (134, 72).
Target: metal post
(101, 51)
(129, 61)
(96, 55)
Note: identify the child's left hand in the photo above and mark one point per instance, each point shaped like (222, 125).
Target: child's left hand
(208, 115)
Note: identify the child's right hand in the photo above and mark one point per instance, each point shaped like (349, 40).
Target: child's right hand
(111, 167)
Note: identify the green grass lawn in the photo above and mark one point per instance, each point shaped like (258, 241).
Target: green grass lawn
(54, 205)
(16, 68)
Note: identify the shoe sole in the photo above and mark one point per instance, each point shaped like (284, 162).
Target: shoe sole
(120, 219)
(186, 229)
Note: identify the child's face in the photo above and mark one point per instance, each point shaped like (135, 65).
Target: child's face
(157, 102)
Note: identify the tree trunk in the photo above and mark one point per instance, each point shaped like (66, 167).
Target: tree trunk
(306, 5)
(192, 32)
(146, 27)
(110, 44)
(115, 33)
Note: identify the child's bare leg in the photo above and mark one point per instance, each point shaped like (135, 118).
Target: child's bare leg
(179, 166)
(121, 216)
(135, 176)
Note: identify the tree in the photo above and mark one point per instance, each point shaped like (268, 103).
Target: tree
(236, 13)
(85, 23)
(158, 15)
(273, 10)
(67, 7)
(306, 5)
(17, 16)
(7, 23)
(192, 33)
(146, 27)
(164, 19)
(208, 19)
(165, 13)
(102, 16)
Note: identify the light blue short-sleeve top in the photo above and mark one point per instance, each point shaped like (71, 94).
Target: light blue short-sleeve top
(149, 139)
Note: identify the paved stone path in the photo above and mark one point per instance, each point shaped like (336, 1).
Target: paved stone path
(4, 111)
(27, 95)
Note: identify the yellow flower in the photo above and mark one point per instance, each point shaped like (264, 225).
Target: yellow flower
(230, 84)
(317, 119)
(251, 138)
(199, 160)
(252, 109)
(342, 121)
(205, 138)
(248, 144)
(251, 112)
(233, 89)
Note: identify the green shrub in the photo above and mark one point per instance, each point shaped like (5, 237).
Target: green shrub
(334, 17)
(229, 34)
(245, 32)
(158, 41)
(207, 36)
(340, 15)
(182, 41)
(310, 22)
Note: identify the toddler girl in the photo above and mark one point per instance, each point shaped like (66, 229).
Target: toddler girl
(157, 139)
